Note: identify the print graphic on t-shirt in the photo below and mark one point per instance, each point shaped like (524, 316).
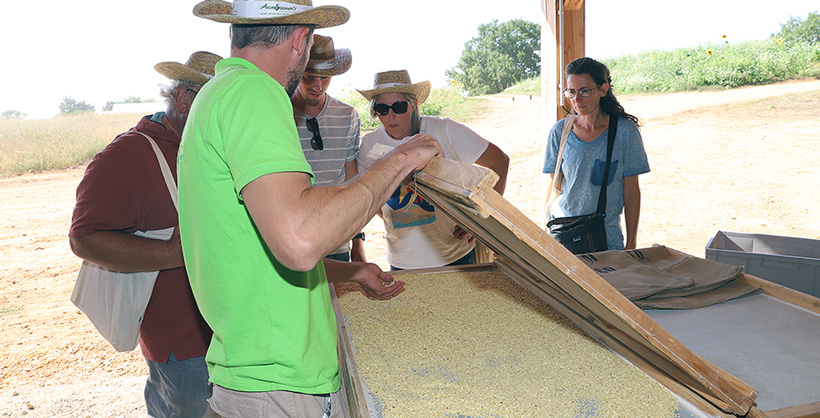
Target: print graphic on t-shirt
(598, 172)
(406, 213)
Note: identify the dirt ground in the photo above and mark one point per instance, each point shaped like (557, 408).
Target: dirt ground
(742, 160)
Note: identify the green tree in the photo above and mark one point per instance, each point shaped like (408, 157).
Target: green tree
(69, 105)
(797, 30)
(109, 105)
(13, 114)
(500, 56)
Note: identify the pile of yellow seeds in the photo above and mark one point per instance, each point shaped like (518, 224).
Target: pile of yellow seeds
(476, 344)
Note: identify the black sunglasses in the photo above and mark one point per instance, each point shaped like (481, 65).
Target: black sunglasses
(381, 109)
(315, 142)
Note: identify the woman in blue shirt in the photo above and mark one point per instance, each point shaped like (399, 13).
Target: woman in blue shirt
(589, 89)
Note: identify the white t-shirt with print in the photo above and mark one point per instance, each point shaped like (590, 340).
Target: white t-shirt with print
(418, 236)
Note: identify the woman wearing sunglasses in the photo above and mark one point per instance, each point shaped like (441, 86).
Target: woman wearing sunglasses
(417, 235)
(589, 89)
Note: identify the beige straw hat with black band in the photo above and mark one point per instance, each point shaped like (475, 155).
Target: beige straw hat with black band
(397, 81)
(260, 12)
(325, 61)
(199, 68)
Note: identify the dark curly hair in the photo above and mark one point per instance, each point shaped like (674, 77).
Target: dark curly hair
(600, 75)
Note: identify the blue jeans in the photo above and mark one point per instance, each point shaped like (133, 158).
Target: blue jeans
(178, 388)
(469, 258)
(339, 257)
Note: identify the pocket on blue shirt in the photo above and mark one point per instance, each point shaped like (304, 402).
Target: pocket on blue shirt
(598, 172)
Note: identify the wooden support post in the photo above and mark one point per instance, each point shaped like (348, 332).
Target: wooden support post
(551, 52)
(551, 63)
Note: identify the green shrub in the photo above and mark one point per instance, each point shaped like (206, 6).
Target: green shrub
(724, 66)
(529, 86)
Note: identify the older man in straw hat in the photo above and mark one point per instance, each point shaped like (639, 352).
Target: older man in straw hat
(328, 128)
(417, 235)
(124, 191)
(255, 230)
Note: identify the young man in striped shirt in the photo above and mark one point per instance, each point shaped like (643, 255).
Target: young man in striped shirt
(328, 129)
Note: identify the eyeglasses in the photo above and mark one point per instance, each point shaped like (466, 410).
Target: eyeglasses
(381, 109)
(192, 90)
(315, 142)
(583, 92)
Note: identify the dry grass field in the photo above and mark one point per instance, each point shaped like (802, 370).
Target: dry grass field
(741, 160)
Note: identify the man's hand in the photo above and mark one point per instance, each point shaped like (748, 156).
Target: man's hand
(420, 149)
(376, 284)
(460, 233)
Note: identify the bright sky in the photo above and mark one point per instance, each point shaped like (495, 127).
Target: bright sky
(98, 51)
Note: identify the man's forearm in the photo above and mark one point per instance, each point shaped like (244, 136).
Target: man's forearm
(301, 224)
(124, 252)
(354, 203)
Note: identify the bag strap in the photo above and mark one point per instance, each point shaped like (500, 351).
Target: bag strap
(166, 171)
(610, 143)
(558, 175)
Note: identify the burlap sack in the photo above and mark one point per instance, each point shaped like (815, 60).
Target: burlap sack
(653, 278)
(725, 293)
(635, 280)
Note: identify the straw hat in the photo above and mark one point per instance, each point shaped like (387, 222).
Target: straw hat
(324, 60)
(397, 82)
(260, 12)
(199, 68)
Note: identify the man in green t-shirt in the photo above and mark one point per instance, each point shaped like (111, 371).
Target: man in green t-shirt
(254, 230)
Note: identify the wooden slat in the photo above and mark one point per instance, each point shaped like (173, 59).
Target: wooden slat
(467, 177)
(351, 381)
(437, 270)
(469, 180)
(786, 294)
(608, 308)
(754, 412)
(811, 410)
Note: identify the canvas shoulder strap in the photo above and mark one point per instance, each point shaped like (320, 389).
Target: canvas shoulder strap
(558, 175)
(166, 171)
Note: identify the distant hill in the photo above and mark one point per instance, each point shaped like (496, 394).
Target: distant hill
(145, 108)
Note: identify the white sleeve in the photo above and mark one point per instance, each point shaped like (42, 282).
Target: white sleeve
(467, 143)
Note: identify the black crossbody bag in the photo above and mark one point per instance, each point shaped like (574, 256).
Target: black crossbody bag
(587, 233)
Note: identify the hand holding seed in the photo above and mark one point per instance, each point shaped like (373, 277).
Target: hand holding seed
(377, 284)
